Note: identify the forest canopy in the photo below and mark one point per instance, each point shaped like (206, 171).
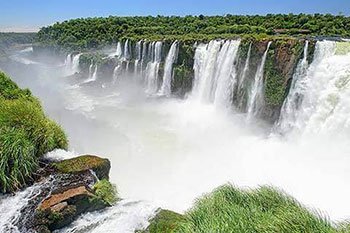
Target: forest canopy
(95, 32)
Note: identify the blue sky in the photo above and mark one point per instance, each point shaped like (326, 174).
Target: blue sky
(28, 15)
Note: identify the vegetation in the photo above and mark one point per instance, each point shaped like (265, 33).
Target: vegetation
(25, 135)
(106, 191)
(165, 221)
(12, 38)
(97, 32)
(228, 209)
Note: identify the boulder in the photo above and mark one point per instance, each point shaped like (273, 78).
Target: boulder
(62, 208)
(84, 163)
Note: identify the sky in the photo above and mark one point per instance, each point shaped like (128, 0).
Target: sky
(30, 15)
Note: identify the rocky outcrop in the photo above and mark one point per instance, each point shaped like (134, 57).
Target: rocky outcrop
(84, 163)
(60, 209)
(68, 188)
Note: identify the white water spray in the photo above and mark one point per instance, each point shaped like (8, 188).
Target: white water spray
(153, 68)
(291, 104)
(168, 70)
(215, 72)
(256, 96)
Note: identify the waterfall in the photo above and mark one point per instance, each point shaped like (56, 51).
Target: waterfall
(75, 63)
(215, 72)
(325, 93)
(72, 64)
(127, 55)
(225, 77)
(242, 81)
(292, 102)
(168, 70)
(205, 60)
(92, 74)
(117, 72)
(119, 51)
(256, 96)
(153, 67)
(138, 52)
(144, 55)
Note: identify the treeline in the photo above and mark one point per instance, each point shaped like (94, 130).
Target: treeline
(95, 32)
(8, 39)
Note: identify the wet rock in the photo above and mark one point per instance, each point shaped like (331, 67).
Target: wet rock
(60, 209)
(84, 163)
(67, 189)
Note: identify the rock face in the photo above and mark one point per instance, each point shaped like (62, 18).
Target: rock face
(68, 191)
(60, 209)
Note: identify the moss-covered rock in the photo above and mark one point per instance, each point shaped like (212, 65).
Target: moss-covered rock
(83, 163)
(106, 191)
(165, 221)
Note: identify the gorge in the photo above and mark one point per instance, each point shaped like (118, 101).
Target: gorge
(178, 118)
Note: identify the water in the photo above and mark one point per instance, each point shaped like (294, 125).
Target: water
(255, 102)
(162, 149)
(215, 72)
(242, 82)
(152, 68)
(92, 74)
(72, 64)
(11, 205)
(325, 95)
(291, 104)
(126, 217)
(168, 70)
(138, 50)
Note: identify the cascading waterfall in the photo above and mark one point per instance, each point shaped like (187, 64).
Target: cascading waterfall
(118, 53)
(117, 72)
(256, 97)
(92, 74)
(72, 64)
(242, 80)
(291, 104)
(215, 72)
(168, 70)
(153, 67)
(225, 77)
(325, 93)
(127, 55)
(204, 69)
(144, 56)
(138, 50)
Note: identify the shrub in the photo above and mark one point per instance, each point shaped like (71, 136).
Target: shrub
(26, 134)
(106, 191)
(228, 209)
(18, 160)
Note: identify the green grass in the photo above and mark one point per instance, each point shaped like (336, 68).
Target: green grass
(26, 134)
(106, 191)
(228, 209)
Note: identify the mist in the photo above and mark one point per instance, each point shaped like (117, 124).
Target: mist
(169, 151)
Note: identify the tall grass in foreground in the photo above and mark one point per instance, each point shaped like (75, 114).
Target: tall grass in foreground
(267, 210)
(25, 135)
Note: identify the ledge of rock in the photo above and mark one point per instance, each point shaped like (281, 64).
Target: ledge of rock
(60, 209)
(68, 188)
(84, 163)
